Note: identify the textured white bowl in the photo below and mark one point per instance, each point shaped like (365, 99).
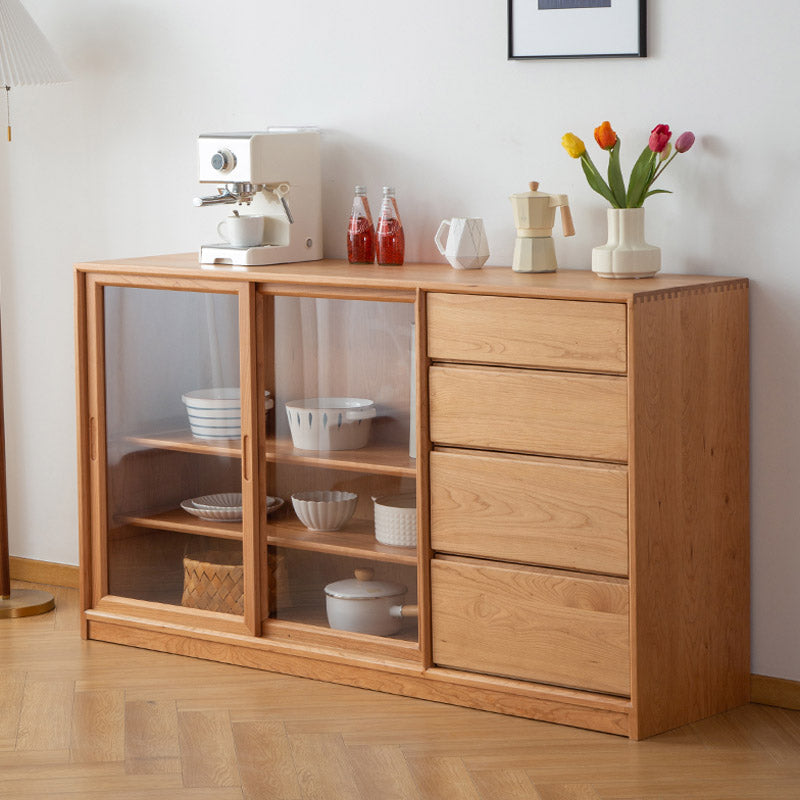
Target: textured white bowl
(330, 423)
(324, 511)
(396, 520)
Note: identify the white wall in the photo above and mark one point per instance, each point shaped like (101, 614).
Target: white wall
(418, 94)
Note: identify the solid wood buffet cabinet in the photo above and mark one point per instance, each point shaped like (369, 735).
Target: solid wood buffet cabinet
(578, 448)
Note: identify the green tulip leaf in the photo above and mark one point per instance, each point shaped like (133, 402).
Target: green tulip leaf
(641, 177)
(595, 181)
(615, 180)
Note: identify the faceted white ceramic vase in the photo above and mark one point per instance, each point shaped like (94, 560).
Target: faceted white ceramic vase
(626, 254)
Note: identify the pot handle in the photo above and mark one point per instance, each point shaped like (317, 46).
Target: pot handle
(359, 414)
(567, 226)
(440, 235)
(404, 611)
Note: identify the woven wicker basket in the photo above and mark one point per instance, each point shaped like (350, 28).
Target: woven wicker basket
(214, 581)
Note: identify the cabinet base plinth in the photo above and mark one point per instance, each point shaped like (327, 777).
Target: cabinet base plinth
(574, 708)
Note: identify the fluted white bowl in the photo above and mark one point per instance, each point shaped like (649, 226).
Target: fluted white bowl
(324, 511)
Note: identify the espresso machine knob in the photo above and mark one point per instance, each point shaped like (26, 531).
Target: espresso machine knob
(223, 160)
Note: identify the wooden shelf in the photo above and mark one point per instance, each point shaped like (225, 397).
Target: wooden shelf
(390, 459)
(177, 519)
(183, 441)
(357, 541)
(315, 616)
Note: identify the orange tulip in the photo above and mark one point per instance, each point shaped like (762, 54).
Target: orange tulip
(605, 136)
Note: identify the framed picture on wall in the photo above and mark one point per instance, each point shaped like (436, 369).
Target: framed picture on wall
(576, 28)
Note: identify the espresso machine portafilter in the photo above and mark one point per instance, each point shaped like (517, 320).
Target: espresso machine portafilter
(273, 176)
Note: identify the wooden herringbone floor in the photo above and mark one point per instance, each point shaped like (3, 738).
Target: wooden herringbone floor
(101, 722)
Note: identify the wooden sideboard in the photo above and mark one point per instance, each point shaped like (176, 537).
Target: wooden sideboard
(581, 475)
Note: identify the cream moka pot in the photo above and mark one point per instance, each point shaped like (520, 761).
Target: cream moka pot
(534, 218)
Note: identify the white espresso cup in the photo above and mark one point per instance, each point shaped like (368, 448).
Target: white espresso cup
(246, 230)
(466, 246)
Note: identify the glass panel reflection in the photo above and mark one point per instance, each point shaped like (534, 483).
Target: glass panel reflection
(342, 436)
(174, 477)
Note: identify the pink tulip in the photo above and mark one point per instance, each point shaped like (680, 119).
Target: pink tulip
(684, 142)
(659, 137)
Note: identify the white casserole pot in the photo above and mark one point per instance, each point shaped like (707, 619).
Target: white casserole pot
(363, 605)
(330, 423)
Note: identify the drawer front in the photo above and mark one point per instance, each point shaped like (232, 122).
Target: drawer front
(549, 413)
(531, 624)
(537, 511)
(527, 332)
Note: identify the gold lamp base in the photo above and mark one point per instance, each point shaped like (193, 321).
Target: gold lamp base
(26, 603)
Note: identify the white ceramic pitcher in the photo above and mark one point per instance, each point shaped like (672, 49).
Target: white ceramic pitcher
(466, 246)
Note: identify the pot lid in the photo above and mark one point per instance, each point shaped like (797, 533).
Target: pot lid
(363, 587)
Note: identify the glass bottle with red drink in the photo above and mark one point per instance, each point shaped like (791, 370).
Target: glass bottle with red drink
(391, 239)
(361, 231)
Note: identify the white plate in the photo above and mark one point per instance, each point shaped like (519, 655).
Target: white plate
(223, 513)
(273, 504)
(215, 514)
(221, 501)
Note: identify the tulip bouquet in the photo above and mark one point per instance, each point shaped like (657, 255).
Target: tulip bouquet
(652, 162)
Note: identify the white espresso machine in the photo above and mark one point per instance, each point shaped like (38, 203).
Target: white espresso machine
(273, 174)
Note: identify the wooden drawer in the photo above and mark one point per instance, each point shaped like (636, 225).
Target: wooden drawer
(556, 513)
(549, 413)
(530, 623)
(527, 332)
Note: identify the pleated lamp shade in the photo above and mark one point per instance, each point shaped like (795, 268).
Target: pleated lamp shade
(26, 58)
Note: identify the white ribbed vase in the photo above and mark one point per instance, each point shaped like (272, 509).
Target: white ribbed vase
(626, 254)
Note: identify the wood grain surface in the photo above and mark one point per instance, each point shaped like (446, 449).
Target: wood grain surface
(290, 738)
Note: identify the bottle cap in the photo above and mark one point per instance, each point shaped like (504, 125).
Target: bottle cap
(388, 191)
(361, 190)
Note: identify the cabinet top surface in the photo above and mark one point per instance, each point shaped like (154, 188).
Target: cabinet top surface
(565, 283)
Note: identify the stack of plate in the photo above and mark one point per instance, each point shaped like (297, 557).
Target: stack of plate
(217, 413)
(225, 507)
(220, 507)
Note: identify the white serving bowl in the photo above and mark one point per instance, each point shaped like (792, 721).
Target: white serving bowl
(217, 413)
(324, 511)
(396, 520)
(330, 423)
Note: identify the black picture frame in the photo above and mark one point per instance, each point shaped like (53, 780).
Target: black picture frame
(623, 35)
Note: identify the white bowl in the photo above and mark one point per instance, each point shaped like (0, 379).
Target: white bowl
(217, 413)
(396, 520)
(324, 511)
(330, 423)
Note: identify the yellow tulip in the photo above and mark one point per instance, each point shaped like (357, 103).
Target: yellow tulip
(573, 145)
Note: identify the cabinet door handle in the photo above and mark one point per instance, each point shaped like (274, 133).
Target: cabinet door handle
(93, 438)
(245, 459)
